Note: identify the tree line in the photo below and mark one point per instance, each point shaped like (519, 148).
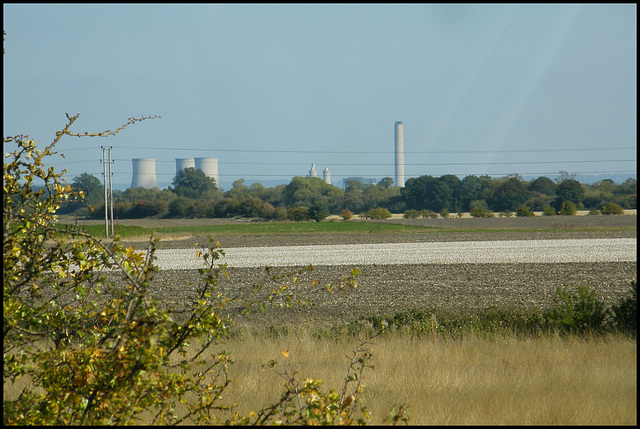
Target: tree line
(195, 195)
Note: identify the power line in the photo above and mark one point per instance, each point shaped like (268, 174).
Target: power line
(389, 164)
(375, 152)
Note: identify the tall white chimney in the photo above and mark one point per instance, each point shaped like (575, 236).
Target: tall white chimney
(326, 175)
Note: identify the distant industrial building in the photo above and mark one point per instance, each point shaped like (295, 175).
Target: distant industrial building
(326, 175)
(313, 172)
(362, 180)
(144, 173)
(144, 170)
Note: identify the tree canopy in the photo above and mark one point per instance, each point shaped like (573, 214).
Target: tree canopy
(193, 183)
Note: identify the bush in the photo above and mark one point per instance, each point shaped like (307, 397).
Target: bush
(92, 349)
(319, 211)
(378, 213)
(444, 213)
(524, 211)
(506, 213)
(579, 312)
(411, 214)
(478, 212)
(548, 211)
(299, 214)
(179, 207)
(612, 209)
(280, 213)
(625, 313)
(428, 214)
(594, 212)
(568, 208)
(346, 214)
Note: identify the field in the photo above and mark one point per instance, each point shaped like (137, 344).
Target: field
(471, 380)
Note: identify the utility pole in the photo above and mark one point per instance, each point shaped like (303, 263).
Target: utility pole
(111, 193)
(108, 197)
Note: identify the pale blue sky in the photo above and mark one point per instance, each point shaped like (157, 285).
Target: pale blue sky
(269, 89)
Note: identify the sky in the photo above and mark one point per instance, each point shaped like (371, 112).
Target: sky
(269, 89)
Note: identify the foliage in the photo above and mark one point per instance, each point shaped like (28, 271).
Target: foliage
(428, 192)
(570, 190)
(524, 211)
(91, 187)
(411, 214)
(82, 326)
(346, 214)
(299, 214)
(543, 185)
(444, 213)
(319, 211)
(577, 312)
(479, 211)
(193, 183)
(385, 182)
(548, 211)
(625, 313)
(378, 213)
(308, 191)
(435, 194)
(428, 214)
(509, 194)
(612, 209)
(568, 208)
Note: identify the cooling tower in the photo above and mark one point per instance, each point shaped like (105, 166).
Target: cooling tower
(313, 172)
(326, 175)
(182, 163)
(399, 137)
(209, 166)
(144, 173)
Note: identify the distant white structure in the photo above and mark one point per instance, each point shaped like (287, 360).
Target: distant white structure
(182, 163)
(144, 173)
(209, 166)
(326, 175)
(313, 172)
(399, 140)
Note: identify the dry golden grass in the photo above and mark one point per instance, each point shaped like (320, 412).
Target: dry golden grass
(471, 381)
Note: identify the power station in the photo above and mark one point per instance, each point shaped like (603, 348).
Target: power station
(209, 166)
(144, 169)
(144, 173)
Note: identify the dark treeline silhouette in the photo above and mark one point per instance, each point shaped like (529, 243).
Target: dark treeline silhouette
(306, 198)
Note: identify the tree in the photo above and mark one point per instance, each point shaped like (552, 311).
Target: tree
(427, 192)
(570, 190)
(192, 183)
(91, 186)
(568, 208)
(98, 348)
(509, 194)
(543, 185)
(319, 211)
(385, 182)
(308, 191)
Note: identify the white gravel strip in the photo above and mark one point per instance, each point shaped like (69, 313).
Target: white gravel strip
(464, 252)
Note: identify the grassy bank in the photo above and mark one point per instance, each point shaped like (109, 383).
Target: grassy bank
(545, 381)
(293, 228)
